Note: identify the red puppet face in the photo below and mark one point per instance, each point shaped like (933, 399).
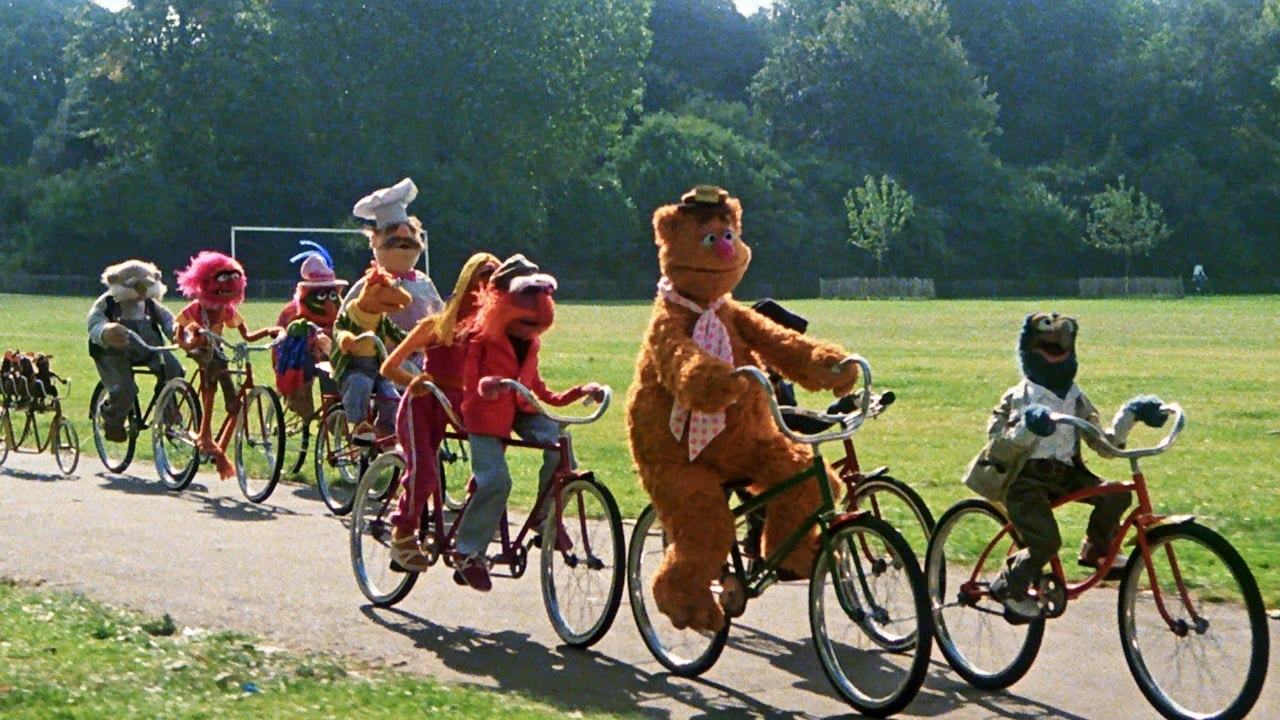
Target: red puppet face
(319, 304)
(214, 279)
(532, 312)
(524, 313)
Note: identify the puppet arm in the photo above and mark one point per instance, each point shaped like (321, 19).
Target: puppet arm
(806, 361)
(167, 324)
(557, 399)
(251, 335)
(421, 337)
(697, 379)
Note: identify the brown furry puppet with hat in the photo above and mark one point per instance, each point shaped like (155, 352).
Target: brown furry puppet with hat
(694, 425)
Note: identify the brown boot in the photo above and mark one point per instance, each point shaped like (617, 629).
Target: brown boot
(1093, 554)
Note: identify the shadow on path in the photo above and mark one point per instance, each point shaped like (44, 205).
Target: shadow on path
(583, 678)
(941, 694)
(31, 475)
(220, 506)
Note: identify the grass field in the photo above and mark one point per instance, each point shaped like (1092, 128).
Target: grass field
(948, 361)
(66, 657)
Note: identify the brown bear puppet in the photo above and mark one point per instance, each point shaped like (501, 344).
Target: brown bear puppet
(694, 425)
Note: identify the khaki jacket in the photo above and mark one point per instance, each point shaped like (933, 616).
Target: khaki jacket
(1010, 444)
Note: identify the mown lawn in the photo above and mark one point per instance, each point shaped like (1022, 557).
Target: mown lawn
(67, 657)
(948, 361)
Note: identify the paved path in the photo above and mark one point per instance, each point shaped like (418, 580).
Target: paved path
(281, 570)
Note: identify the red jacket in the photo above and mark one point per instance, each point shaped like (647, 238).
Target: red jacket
(488, 356)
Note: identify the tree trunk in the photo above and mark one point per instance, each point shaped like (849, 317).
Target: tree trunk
(1127, 259)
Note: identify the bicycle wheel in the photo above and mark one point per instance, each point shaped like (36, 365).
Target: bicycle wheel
(6, 433)
(337, 462)
(979, 644)
(1210, 659)
(173, 434)
(259, 443)
(295, 426)
(455, 472)
(376, 495)
(896, 503)
(869, 587)
(66, 444)
(687, 653)
(115, 456)
(582, 580)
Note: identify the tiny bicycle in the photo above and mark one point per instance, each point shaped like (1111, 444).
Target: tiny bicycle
(868, 610)
(255, 431)
(23, 390)
(1187, 601)
(117, 456)
(574, 521)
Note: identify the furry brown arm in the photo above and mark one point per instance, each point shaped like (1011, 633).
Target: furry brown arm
(808, 362)
(698, 380)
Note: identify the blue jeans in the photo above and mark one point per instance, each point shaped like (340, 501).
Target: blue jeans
(359, 381)
(493, 479)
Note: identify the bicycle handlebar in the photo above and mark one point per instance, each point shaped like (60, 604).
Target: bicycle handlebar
(533, 402)
(239, 350)
(1174, 409)
(848, 423)
(137, 340)
(444, 402)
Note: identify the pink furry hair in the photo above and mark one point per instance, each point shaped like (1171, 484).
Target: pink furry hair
(194, 280)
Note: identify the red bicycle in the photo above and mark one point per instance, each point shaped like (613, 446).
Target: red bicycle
(1192, 623)
(574, 522)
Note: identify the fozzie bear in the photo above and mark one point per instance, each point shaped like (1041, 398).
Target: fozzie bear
(693, 425)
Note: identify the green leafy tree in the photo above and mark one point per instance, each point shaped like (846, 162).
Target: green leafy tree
(1124, 221)
(878, 215)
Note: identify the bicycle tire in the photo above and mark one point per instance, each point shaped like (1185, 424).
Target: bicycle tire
(552, 596)
(935, 574)
(272, 439)
(1136, 571)
(100, 442)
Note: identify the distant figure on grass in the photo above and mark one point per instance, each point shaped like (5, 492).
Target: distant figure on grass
(1200, 279)
(215, 284)
(131, 304)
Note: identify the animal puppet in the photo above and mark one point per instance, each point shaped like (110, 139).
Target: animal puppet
(397, 240)
(515, 310)
(694, 425)
(420, 420)
(308, 321)
(131, 306)
(356, 360)
(215, 283)
(1030, 460)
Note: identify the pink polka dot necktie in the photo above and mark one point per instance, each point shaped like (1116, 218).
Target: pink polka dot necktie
(710, 334)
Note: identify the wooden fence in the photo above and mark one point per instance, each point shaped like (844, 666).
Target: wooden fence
(877, 287)
(1107, 287)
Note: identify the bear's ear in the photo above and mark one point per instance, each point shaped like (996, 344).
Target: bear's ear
(665, 220)
(735, 213)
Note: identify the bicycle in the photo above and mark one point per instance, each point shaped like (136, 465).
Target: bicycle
(1171, 603)
(339, 460)
(22, 390)
(877, 492)
(868, 611)
(117, 456)
(257, 425)
(574, 522)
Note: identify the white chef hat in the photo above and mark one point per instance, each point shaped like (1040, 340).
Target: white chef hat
(387, 206)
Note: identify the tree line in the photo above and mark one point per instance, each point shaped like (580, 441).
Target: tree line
(1010, 139)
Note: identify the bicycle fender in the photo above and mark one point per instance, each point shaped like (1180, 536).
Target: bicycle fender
(1166, 520)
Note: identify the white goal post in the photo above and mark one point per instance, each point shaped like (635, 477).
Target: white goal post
(426, 252)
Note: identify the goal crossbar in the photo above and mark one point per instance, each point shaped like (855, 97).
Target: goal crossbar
(426, 256)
